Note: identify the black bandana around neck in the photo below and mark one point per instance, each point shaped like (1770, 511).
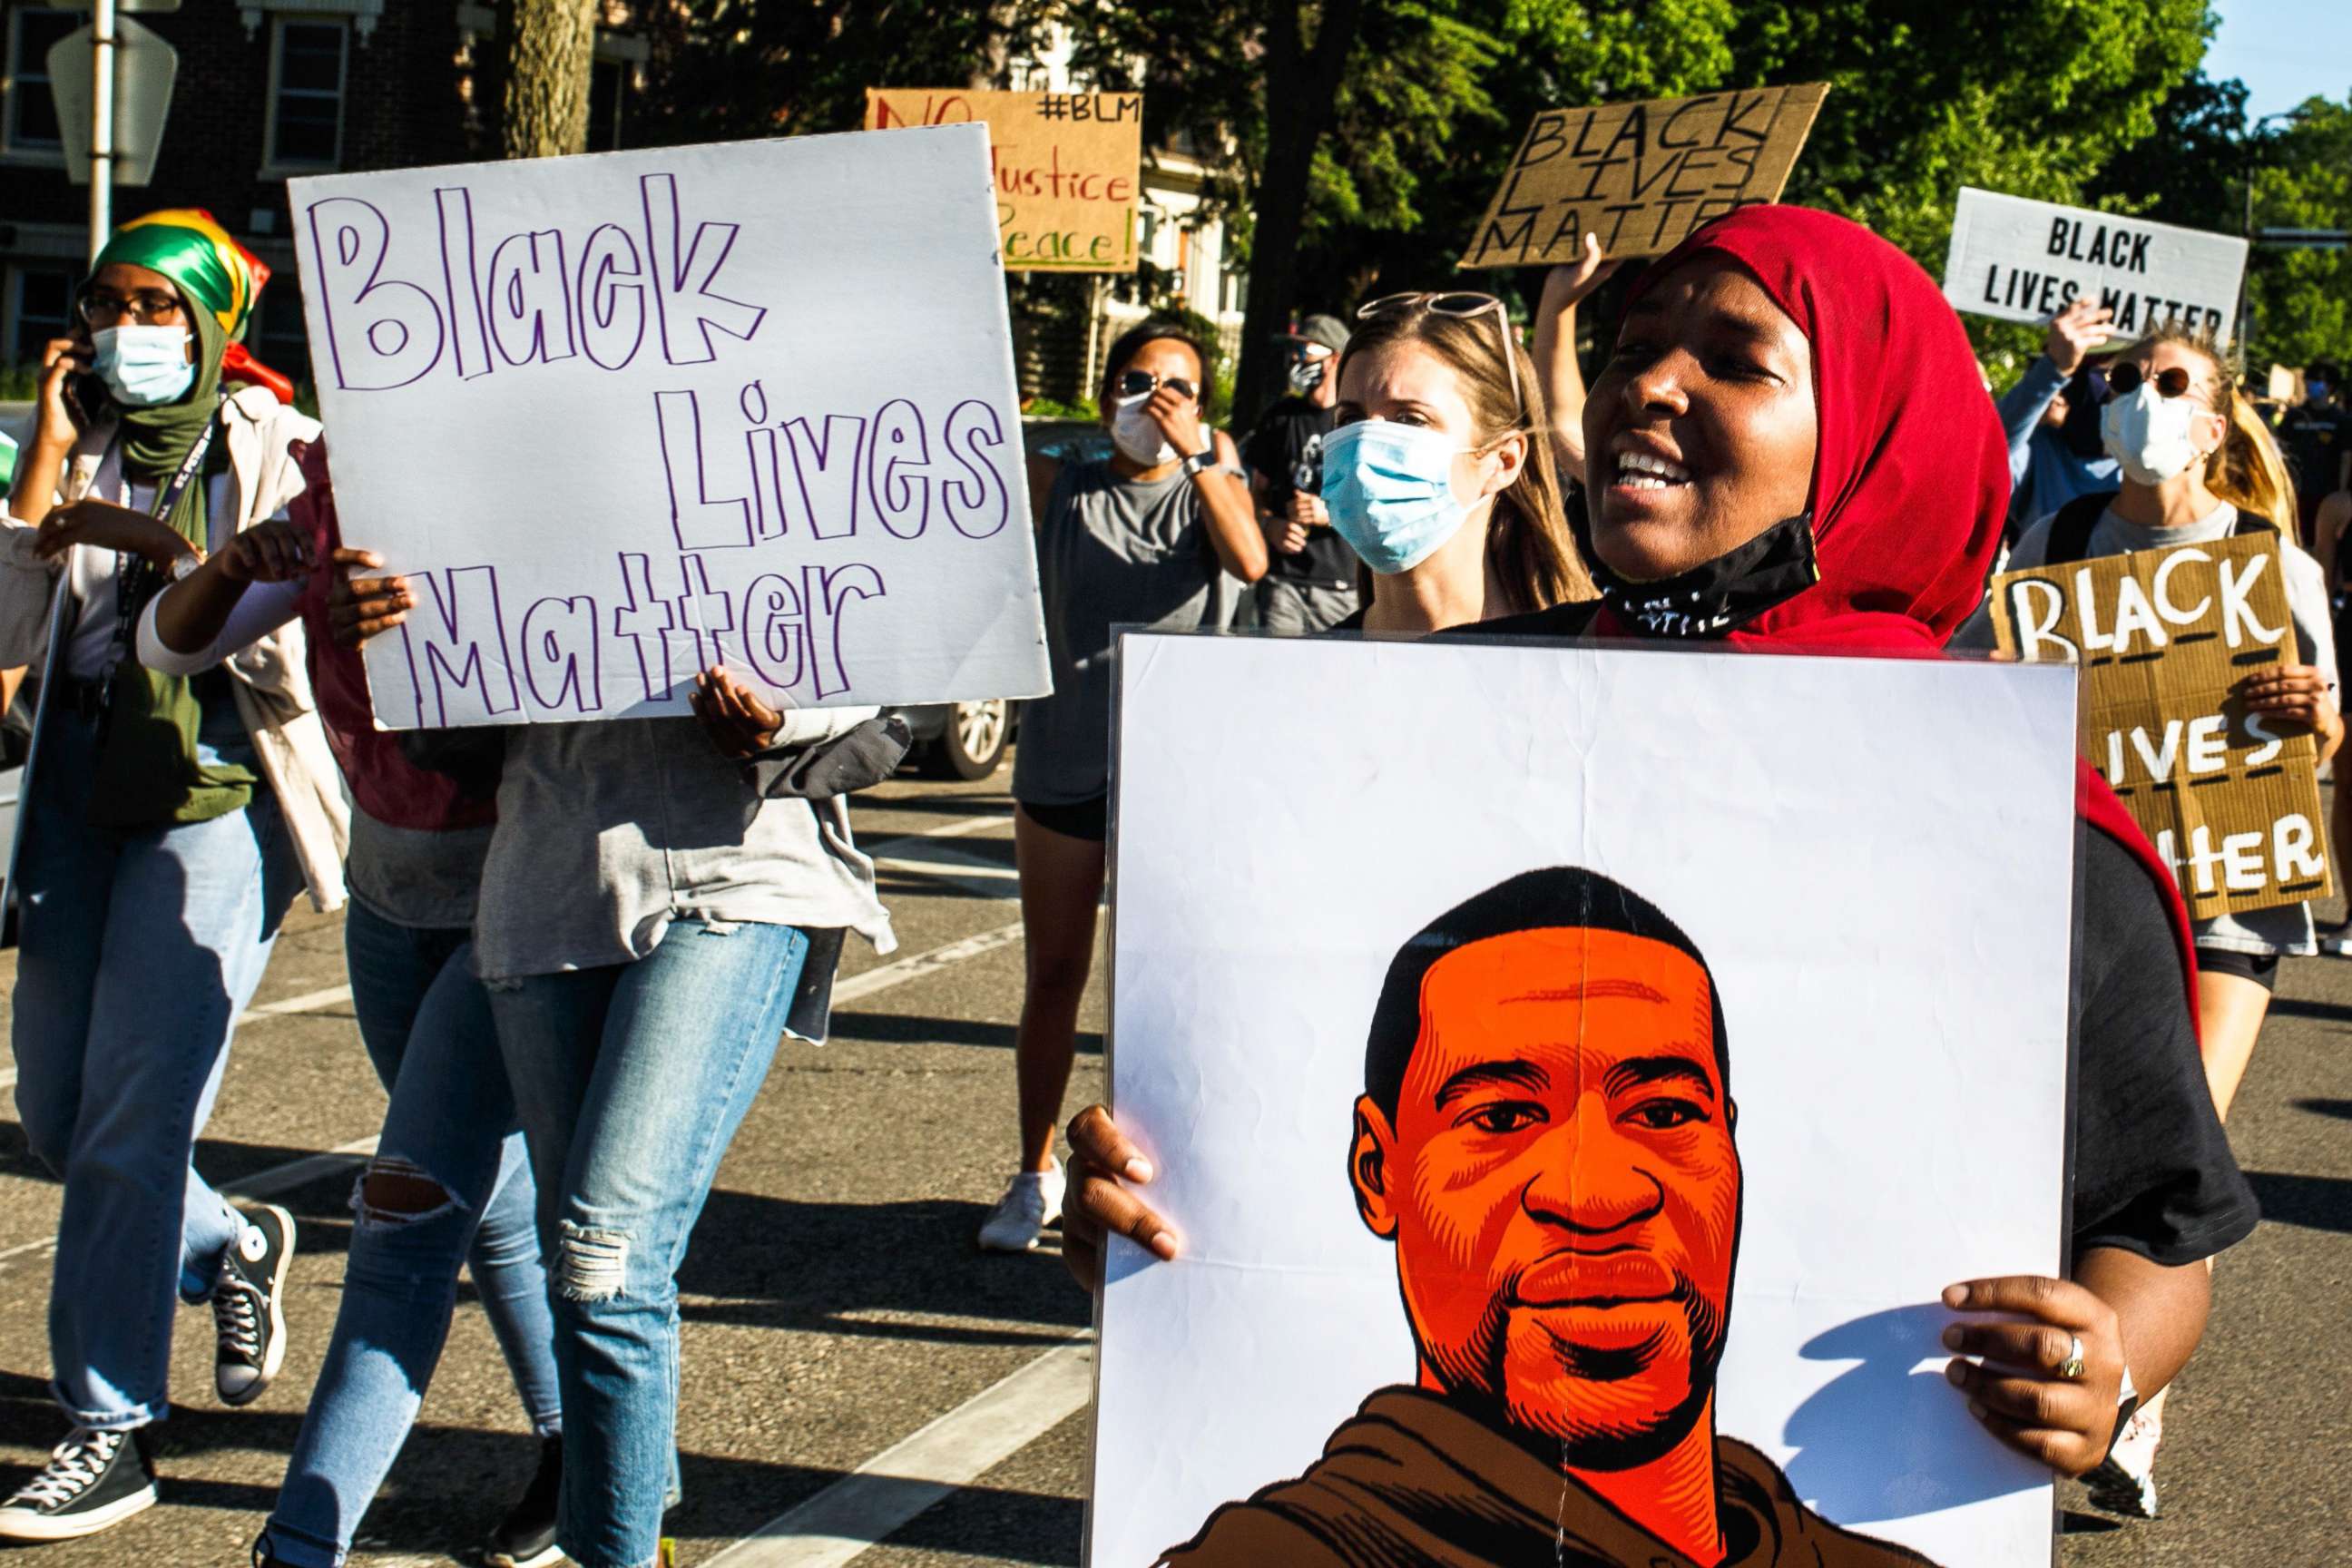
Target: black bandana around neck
(1721, 595)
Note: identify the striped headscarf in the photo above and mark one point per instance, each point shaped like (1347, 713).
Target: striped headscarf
(210, 268)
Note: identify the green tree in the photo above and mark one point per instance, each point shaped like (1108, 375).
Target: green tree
(2302, 299)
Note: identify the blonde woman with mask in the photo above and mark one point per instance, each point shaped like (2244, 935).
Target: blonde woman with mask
(2199, 466)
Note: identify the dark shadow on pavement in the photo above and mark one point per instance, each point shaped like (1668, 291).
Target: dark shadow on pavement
(2340, 1109)
(939, 805)
(2074, 1521)
(2315, 1203)
(904, 1029)
(775, 1263)
(2325, 1012)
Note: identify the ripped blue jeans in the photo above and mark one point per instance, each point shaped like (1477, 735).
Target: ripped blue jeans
(631, 1080)
(450, 1185)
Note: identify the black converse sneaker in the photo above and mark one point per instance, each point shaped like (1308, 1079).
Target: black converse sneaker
(526, 1537)
(247, 1309)
(94, 1481)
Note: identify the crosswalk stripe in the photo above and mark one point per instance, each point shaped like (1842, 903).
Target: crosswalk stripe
(847, 1519)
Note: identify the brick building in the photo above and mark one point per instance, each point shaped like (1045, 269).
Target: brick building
(266, 89)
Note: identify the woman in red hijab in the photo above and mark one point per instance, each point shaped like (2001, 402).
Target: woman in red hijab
(1790, 451)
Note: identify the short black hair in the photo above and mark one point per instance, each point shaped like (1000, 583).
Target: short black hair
(1130, 343)
(2321, 370)
(1553, 897)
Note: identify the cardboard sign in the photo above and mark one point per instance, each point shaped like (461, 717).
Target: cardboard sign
(2020, 260)
(1353, 1074)
(623, 418)
(1641, 175)
(1065, 167)
(2164, 636)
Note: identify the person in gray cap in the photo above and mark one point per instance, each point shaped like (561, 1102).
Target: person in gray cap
(1311, 582)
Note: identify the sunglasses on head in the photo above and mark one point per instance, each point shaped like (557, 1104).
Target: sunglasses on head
(1139, 382)
(2124, 378)
(1462, 305)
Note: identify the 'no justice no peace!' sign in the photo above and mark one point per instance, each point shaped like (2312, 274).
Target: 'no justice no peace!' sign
(623, 418)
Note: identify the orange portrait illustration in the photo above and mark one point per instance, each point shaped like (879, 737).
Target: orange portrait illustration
(1547, 1136)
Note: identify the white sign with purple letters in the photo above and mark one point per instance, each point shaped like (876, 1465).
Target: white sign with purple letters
(626, 417)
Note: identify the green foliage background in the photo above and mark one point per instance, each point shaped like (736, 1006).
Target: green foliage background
(2089, 101)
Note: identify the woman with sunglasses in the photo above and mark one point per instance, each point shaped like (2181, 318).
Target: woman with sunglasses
(168, 819)
(1141, 538)
(1787, 454)
(2198, 465)
(1441, 475)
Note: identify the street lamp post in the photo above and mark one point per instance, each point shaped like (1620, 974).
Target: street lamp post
(2245, 288)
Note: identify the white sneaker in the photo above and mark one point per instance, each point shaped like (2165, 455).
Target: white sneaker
(1031, 1204)
(2337, 944)
(2124, 1482)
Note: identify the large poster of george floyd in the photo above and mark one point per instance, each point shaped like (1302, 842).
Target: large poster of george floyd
(1576, 1074)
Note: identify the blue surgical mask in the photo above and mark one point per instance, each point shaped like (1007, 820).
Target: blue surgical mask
(145, 367)
(1390, 491)
(2315, 389)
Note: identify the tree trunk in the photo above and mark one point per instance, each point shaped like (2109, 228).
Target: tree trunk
(1302, 87)
(551, 52)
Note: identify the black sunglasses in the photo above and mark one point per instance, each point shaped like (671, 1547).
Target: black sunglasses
(2123, 379)
(1137, 383)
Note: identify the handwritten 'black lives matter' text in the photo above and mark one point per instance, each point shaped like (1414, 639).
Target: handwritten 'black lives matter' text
(741, 474)
(2078, 246)
(1638, 176)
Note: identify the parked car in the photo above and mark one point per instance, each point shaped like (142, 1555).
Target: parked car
(961, 739)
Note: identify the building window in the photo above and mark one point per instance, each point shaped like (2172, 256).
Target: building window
(306, 94)
(278, 336)
(32, 113)
(608, 91)
(41, 308)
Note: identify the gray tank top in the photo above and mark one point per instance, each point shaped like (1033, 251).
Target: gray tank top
(1111, 552)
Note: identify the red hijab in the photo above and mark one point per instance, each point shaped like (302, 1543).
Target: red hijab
(1910, 472)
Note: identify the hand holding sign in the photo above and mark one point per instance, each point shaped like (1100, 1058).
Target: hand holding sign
(1635, 178)
(2074, 332)
(2020, 260)
(2192, 708)
(2295, 694)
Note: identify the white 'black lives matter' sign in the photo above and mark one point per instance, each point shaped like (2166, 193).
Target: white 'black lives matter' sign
(2020, 260)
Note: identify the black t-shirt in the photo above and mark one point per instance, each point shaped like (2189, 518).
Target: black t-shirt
(2153, 1172)
(2315, 440)
(1287, 447)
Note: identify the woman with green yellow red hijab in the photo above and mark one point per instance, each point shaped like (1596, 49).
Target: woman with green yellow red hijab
(166, 823)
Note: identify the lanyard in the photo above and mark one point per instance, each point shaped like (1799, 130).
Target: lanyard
(133, 574)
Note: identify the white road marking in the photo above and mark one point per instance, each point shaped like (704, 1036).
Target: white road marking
(858, 987)
(956, 829)
(847, 1519)
(309, 1002)
(263, 1184)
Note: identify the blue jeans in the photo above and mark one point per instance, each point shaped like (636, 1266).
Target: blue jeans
(426, 1026)
(138, 950)
(632, 1079)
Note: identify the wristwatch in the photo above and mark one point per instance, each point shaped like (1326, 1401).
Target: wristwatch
(185, 565)
(1202, 459)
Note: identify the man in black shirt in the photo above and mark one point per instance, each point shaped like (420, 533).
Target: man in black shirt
(2317, 434)
(1311, 582)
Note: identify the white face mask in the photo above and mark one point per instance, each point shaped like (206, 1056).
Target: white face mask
(1138, 434)
(145, 367)
(2148, 435)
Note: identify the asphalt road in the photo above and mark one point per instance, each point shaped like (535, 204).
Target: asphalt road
(835, 1307)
